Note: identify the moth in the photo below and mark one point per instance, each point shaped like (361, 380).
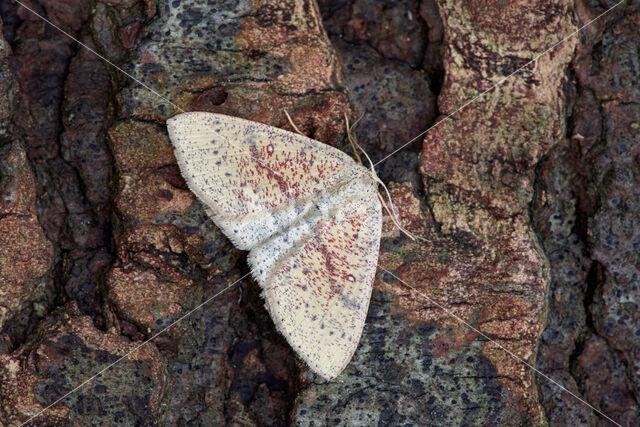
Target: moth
(308, 214)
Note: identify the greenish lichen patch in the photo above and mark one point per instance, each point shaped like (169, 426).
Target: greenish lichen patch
(128, 385)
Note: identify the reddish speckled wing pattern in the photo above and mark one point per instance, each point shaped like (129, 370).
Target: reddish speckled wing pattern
(319, 294)
(253, 177)
(307, 212)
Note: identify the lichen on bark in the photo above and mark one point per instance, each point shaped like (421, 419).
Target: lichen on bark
(103, 245)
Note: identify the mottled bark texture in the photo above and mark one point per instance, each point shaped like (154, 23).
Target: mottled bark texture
(527, 200)
(586, 212)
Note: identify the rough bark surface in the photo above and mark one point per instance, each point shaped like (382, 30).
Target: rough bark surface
(586, 212)
(527, 201)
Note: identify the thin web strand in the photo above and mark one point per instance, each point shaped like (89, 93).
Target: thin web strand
(503, 348)
(136, 348)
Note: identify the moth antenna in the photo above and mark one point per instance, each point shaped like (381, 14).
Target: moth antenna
(393, 212)
(351, 138)
(355, 123)
(291, 121)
